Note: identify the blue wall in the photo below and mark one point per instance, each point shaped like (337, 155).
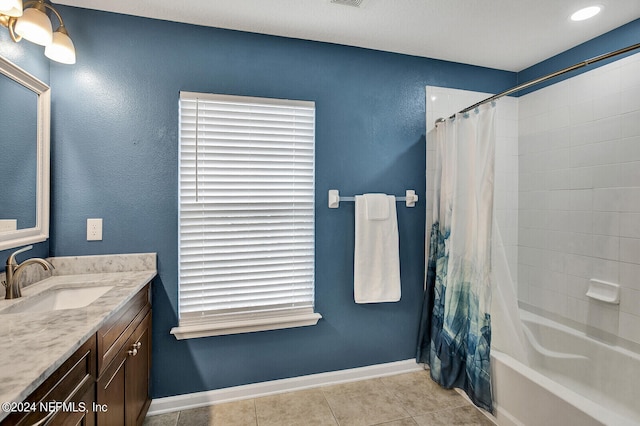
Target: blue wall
(27, 55)
(115, 149)
(618, 38)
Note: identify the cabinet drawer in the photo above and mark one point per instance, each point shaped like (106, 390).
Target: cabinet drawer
(115, 333)
(70, 381)
(85, 396)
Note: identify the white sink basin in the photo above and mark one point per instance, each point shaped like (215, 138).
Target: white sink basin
(57, 299)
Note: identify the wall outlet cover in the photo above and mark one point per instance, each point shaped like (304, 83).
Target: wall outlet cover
(94, 229)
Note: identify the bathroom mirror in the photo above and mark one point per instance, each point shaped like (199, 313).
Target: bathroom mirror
(25, 104)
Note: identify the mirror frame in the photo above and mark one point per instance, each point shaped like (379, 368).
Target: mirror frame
(40, 232)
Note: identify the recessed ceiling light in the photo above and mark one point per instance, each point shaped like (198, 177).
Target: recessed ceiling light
(355, 3)
(586, 13)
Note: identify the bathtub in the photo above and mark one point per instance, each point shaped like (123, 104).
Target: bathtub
(571, 379)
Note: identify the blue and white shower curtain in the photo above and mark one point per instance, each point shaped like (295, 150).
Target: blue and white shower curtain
(455, 329)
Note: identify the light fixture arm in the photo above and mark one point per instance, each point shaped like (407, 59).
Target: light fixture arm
(62, 28)
(10, 23)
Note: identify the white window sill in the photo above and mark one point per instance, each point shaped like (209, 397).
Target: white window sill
(207, 329)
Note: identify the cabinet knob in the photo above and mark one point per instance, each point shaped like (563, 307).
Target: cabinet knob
(134, 348)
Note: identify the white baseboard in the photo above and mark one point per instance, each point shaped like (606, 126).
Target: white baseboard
(255, 390)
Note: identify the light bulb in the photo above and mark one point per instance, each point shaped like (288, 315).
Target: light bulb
(34, 25)
(11, 8)
(61, 49)
(586, 13)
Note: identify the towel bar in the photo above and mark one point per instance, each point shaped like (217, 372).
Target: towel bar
(410, 198)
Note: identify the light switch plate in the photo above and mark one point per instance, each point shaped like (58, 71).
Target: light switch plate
(94, 229)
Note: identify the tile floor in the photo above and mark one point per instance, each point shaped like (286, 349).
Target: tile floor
(401, 400)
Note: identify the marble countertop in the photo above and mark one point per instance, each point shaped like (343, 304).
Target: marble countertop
(33, 345)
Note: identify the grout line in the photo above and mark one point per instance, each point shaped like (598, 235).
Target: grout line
(396, 398)
(206, 398)
(333, 414)
(484, 412)
(386, 388)
(255, 411)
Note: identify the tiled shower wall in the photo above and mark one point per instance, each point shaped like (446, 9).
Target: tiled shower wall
(443, 102)
(579, 196)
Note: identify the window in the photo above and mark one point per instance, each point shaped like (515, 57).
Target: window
(246, 214)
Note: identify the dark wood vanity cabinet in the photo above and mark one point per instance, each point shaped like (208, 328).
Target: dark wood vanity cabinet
(137, 383)
(72, 384)
(124, 361)
(123, 388)
(106, 381)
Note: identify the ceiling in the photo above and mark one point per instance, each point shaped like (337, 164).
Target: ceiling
(505, 34)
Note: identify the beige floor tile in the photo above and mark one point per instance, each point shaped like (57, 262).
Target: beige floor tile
(462, 416)
(169, 419)
(420, 395)
(366, 402)
(307, 407)
(240, 413)
(402, 422)
(196, 416)
(387, 401)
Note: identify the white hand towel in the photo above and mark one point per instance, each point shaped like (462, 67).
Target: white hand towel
(377, 206)
(377, 256)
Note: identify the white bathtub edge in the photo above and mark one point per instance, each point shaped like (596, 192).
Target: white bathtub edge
(571, 398)
(504, 418)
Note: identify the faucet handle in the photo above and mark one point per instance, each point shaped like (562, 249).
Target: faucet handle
(11, 258)
(23, 249)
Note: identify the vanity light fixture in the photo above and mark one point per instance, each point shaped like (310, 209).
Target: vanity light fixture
(32, 23)
(11, 7)
(586, 13)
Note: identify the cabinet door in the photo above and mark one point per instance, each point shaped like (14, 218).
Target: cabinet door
(137, 378)
(123, 382)
(110, 394)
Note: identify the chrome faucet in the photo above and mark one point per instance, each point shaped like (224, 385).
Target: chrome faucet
(14, 270)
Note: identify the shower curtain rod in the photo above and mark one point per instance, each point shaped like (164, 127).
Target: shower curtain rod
(548, 76)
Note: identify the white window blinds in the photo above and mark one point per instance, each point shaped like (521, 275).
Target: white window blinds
(246, 218)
